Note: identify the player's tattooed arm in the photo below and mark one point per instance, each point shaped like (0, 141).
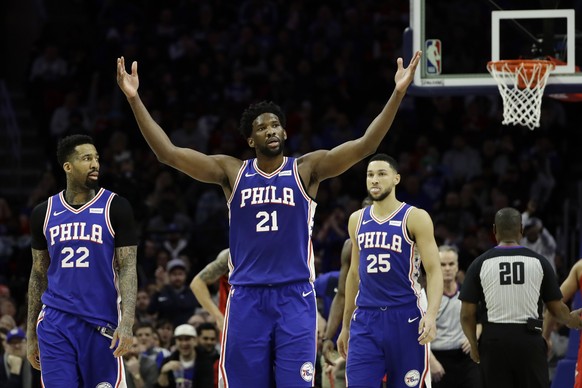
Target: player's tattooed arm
(37, 285)
(127, 264)
(210, 274)
(213, 271)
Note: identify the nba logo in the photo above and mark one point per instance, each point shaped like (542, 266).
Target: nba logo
(433, 56)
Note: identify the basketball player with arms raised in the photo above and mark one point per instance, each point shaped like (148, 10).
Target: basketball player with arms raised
(83, 283)
(387, 329)
(269, 332)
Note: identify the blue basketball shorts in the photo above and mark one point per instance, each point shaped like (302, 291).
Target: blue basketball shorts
(269, 337)
(386, 342)
(74, 354)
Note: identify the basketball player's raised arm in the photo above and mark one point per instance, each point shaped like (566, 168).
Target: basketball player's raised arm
(339, 159)
(352, 284)
(210, 274)
(421, 227)
(202, 167)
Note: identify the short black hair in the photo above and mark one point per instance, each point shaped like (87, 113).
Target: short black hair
(507, 222)
(206, 326)
(66, 146)
(254, 111)
(385, 158)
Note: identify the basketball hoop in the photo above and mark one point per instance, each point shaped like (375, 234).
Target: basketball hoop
(521, 83)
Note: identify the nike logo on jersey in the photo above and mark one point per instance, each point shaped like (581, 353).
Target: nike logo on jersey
(365, 222)
(57, 213)
(250, 175)
(412, 320)
(306, 293)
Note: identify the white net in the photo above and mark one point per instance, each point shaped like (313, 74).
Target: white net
(521, 85)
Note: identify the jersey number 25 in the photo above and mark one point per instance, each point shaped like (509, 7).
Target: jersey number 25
(378, 263)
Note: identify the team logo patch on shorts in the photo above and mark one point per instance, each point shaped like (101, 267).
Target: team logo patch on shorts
(306, 371)
(412, 378)
(104, 385)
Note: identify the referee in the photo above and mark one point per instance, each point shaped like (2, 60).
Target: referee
(510, 282)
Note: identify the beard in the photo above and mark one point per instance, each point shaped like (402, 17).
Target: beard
(265, 150)
(92, 184)
(379, 197)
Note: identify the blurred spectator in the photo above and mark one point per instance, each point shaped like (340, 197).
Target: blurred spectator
(538, 239)
(8, 307)
(330, 238)
(180, 369)
(165, 330)
(189, 135)
(196, 320)
(411, 192)
(175, 301)
(456, 219)
(461, 160)
(169, 217)
(140, 370)
(141, 308)
(69, 118)
(7, 323)
(16, 371)
(207, 355)
(145, 336)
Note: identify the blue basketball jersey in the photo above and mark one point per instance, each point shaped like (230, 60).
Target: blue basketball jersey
(271, 220)
(389, 267)
(81, 243)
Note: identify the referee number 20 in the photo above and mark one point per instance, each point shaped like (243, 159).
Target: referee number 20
(511, 273)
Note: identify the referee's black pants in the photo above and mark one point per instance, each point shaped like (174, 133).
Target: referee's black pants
(460, 370)
(513, 357)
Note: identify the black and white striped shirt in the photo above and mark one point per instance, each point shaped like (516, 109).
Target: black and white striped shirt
(511, 282)
(449, 331)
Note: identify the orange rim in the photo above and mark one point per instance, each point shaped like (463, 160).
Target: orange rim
(514, 64)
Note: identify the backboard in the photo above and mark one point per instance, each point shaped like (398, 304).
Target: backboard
(459, 37)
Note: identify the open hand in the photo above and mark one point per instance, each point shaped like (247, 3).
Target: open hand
(124, 339)
(129, 83)
(405, 75)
